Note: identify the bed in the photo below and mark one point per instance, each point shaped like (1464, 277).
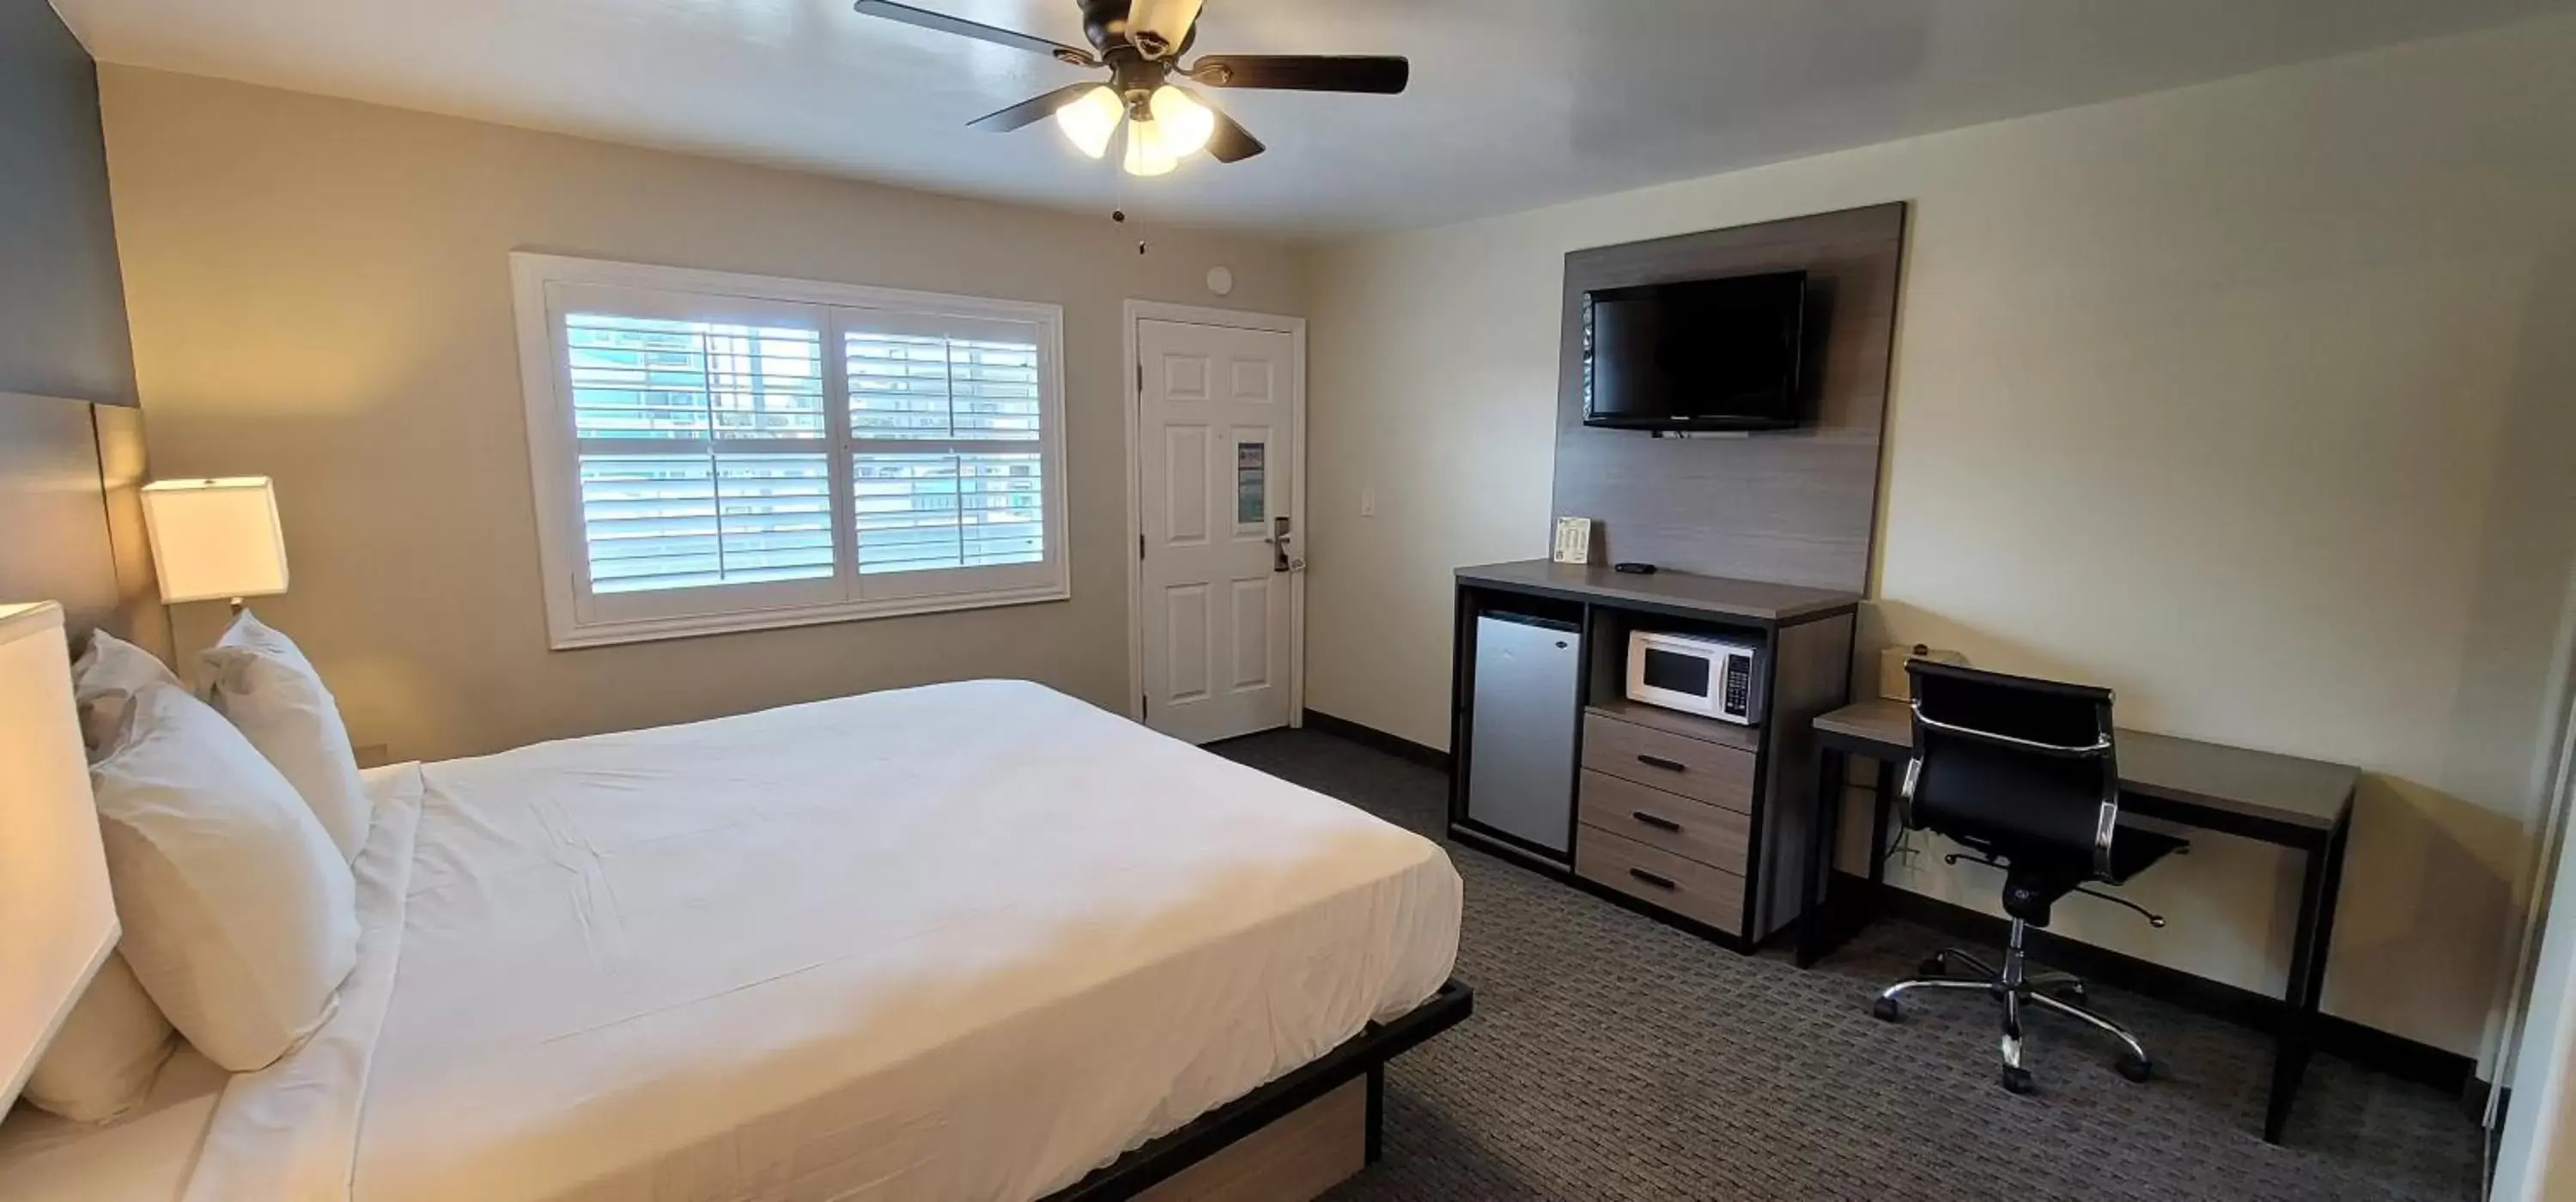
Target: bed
(973, 940)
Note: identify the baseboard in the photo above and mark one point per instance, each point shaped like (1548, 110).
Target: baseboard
(1377, 740)
(2395, 1055)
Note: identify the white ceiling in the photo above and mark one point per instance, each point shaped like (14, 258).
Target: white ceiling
(1514, 103)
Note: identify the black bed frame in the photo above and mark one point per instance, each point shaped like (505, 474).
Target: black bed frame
(1204, 1136)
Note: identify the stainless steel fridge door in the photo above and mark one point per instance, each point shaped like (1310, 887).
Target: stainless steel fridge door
(1526, 714)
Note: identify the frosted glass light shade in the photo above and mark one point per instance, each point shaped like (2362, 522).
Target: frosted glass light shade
(1170, 19)
(1186, 123)
(1090, 119)
(1146, 153)
(215, 538)
(53, 870)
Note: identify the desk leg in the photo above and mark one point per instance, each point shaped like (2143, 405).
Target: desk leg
(1815, 929)
(2296, 1039)
(1880, 803)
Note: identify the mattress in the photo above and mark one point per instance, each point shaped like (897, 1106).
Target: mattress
(971, 940)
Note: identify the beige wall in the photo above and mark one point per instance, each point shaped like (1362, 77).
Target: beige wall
(320, 291)
(2252, 400)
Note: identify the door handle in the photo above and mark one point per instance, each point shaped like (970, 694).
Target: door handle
(1280, 559)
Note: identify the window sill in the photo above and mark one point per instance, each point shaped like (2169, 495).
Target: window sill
(645, 630)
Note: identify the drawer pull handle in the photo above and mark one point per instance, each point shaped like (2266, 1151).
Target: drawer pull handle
(1656, 761)
(1657, 821)
(1659, 882)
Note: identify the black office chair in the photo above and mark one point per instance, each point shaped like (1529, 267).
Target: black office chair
(2022, 773)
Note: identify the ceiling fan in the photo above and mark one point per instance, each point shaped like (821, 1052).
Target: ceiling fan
(1141, 43)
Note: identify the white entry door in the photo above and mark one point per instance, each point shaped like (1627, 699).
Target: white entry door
(1216, 463)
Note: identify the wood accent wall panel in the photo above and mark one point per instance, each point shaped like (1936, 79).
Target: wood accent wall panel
(1795, 506)
(71, 520)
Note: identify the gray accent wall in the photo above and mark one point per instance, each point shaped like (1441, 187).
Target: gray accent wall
(62, 301)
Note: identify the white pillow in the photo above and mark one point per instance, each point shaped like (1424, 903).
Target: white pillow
(109, 670)
(107, 1053)
(272, 694)
(240, 916)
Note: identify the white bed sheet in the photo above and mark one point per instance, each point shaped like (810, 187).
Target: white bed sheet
(967, 941)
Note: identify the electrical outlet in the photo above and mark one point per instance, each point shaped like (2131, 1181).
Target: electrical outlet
(1368, 502)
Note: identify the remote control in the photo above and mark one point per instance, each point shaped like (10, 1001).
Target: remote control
(1634, 569)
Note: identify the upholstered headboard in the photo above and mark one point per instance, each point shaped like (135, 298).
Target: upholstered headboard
(71, 517)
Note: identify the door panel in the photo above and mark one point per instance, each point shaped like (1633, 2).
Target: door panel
(1212, 422)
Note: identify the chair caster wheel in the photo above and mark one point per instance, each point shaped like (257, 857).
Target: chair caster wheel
(2018, 1080)
(1933, 966)
(2071, 994)
(2136, 1069)
(1886, 1011)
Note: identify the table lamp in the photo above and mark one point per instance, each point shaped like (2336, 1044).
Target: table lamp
(61, 918)
(215, 538)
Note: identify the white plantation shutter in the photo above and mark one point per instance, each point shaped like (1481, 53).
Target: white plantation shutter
(944, 473)
(711, 499)
(702, 467)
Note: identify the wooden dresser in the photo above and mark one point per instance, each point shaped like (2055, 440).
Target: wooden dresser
(1697, 821)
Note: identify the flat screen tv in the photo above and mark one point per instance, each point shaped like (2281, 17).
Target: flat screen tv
(1718, 354)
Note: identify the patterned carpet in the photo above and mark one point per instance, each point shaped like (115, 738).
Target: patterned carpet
(1611, 1057)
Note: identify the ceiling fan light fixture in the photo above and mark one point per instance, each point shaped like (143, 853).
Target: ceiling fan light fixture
(1147, 152)
(1186, 123)
(1089, 121)
(1158, 27)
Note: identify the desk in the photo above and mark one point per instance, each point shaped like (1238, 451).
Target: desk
(2304, 805)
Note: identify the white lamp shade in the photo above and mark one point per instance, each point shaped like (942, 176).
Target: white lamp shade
(53, 873)
(215, 538)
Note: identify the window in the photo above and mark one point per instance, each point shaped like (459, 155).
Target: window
(719, 452)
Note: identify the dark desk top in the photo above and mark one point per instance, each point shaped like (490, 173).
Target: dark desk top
(2310, 794)
(1755, 600)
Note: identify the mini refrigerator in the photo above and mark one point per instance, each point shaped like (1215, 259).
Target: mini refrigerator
(1528, 707)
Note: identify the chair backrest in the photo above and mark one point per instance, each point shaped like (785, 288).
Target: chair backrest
(2020, 766)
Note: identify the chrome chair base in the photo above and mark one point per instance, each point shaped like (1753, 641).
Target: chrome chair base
(2016, 989)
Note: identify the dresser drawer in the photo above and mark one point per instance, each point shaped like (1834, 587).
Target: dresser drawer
(1721, 776)
(1694, 830)
(1686, 887)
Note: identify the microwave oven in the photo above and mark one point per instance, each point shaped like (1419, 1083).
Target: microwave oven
(1713, 678)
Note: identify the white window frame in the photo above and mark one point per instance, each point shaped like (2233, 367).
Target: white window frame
(578, 617)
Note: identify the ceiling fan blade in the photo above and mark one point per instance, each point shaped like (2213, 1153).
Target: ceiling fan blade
(1380, 74)
(1165, 22)
(1231, 143)
(1030, 111)
(926, 19)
